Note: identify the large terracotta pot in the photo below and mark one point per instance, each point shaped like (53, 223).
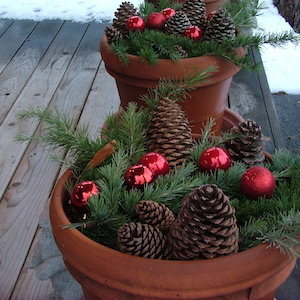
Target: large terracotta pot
(111, 275)
(210, 5)
(207, 101)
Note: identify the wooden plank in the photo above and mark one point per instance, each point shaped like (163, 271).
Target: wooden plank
(23, 64)
(250, 97)
(12, 39)
(36, 172)
(4, 25)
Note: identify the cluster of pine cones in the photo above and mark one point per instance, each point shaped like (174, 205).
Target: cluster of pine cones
(206, 226)
(217, 27)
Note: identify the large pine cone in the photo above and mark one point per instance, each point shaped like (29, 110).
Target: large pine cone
(169, 133)
(123, 13)
(141, 240)
(205, 226)
(195, 11)
(155, 214)
(220, 27)
(112, 34)
(249, 148)
(178, 23)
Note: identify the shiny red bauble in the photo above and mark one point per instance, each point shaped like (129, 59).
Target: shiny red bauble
(138, 176)
(258, 182)
(156, 162)
(82, 193)
(194, 33)
(214, 158)
(135, 23)
(168, 12)
(210, 15)
(156, 20)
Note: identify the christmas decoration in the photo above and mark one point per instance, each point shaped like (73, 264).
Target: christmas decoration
(141, 240)
(210, 15)
(178, 23)
(82, 193)
(194, 33)
(137, 176)
(168, 12)
(258, 182)
(169, 133)
(156, 162)
(156, 20)
(214, 158)
(205, 226)
(155, 214)
(195, 11)
(248, 148)
(135, 23)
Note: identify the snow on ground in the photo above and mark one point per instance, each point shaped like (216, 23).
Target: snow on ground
(282, 65)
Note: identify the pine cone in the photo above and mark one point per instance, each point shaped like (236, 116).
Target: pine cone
(205, 226)
(178, 23)
(141, 240)
(220, 27)
(195, 11)
(249, 148)
(155, 214)
(112, 34)
(169, 133)
(182, 52)
(123, 13)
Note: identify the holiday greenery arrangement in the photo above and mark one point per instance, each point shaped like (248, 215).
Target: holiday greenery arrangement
(168, 30)
(146, 187)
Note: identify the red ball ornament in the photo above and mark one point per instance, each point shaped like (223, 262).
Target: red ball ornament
(82, 192)
(156, 162)
(156, 20)
(194, 33)
(135, 23)
(214, 158)
(137, 176)
(168, 12)
(210, 15)
(258, 182)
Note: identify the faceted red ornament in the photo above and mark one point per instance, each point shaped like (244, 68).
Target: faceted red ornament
(168, 12)
(156, 20)
(194, 33)
(258, 182)
(138, 175)
(135, 23)
(82, 193)
(156, 162)
(214, 158)
(210, 15)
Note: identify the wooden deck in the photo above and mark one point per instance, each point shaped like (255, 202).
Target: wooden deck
(57, 64)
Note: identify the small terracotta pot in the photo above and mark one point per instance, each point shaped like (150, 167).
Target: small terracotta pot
(107, 274)
(210, 5)
(207, 101)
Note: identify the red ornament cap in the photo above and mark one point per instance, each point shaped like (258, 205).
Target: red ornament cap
(168, 12)
(194, 33)
(156, 20)
(258, 182)
(135, 23)
(214, 158)
(82, 193)
(137, 176)
(156, 162)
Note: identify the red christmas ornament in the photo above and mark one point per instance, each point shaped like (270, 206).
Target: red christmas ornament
(156, 162)
(214, 158)
(82, 192)
(156, 20)
(137, 176)
(168, 12)
(194, 33)
(210, 15)
(258, 182)
(135, 23)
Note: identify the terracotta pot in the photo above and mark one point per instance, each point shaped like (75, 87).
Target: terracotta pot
(210, 5)
(208, 100)
(109, 275)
